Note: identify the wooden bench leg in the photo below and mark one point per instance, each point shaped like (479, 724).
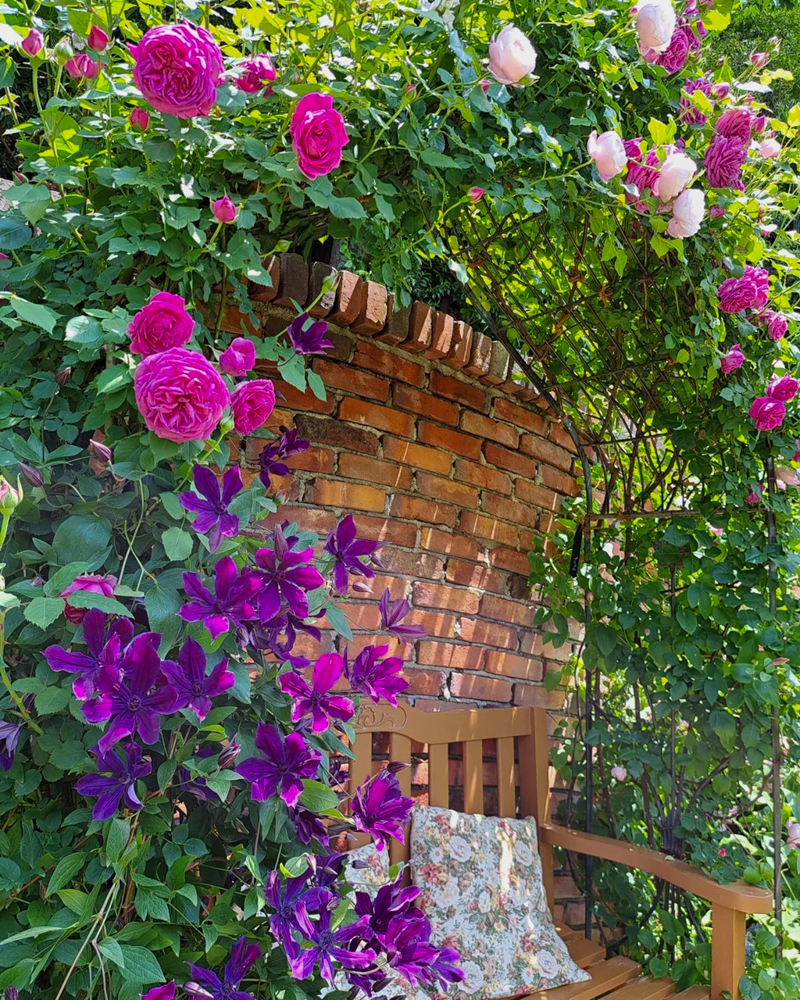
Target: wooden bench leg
(728, 929)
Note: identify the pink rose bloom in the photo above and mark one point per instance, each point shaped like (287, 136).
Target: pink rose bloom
(33, 43)
(318, 135)
(688, 211)
(640, 174)
(767, 413)
(256, 74)
(796, 456)
(239, 358)
(675, 174)
(178, 68)
(224, 209)
(769, 149)
(716, 211)
(608, 152)
(180, 395)
(733, 359)
(93, 584)
(82, 67)
(140, 119)
(759, 59)
(783, 388)
(753, 498)
(161, 324)
(776, 324)
(748, 292)
(619, 773)
(760, 123)
(673, 59)
(720, 91)
(97, 39)
(736, 123)
(475, 194)
(655, 25)
(691, 114)
(511, 56)
(251, 404)
(793, 835)
(723, 161)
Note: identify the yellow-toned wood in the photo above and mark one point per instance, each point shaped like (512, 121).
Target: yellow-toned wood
(439, 775)
(585, 952)
(737, 895)
(534, 788)
(506, 790)
(444, 727)
(567, 933)
(728, 928)
(400, 750)
(695, 993)
(606, 976)
(473, 776)
(646, 989)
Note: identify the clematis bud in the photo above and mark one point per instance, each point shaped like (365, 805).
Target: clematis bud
(396, 766)
(63, 51)
(228, 757)
(32, 45)
(63, 376)
(31, 475)
(140, 119)
(98, 39)
(759, 59)
(193, 989)
(99, 451)
(9, 496)
(224, 209)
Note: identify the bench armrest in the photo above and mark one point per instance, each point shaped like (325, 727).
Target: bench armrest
(736, 896)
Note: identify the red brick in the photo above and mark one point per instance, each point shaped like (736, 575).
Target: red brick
(509, 510)
(350, 496)
(480, 688)
(233, 321)
(469, 574)
(308, 518)
(364, 641)
(327, 300)
(540, 496)
(417, 455)
(282, 488)
(422, 509)
(380, 417)
(539, 645)
(511, 559)
(386, 529)
(420, 328)
(435, 623)
(488, 633)
(483, 476)
(443, 332)
(499, 364)
(486, 427)
(293, 284)
(373, 470)
(374, 587)
(293, 399)
(502, 609)
(461, 348)
(535, 694)
(446, 489)
(373, 356)
(546, 451)
(513, 665)
(397, 322)
(434, 595)
(559, 434)
(449, 544)
(455, 656)
(349, 296)
(472, 523)
(326, 430)
(313, 460)
(443, 437)
(412, 563)
(463, 392)
(559, 481)
(427, 682)
(264, 293)
(519, 416)
(426, 405)
(504, 458)
(362, 616)
(481, 356)
(344, 377)
(372, 316)
(279, 418)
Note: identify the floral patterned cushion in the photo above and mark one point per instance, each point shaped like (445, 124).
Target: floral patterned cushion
(482, 890)
(370, 878)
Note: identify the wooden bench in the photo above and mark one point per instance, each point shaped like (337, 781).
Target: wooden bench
(524, 790)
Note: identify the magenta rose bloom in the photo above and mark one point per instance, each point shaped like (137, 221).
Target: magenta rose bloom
(642, 174)
(776, 324)
(767, 413)
(732, 360)
(675, 56)
(82, 67)
(736, 123)
(748, 292)
(251, 404)
(255, 74)
(783, 388)
(691, 114)
(92, 583)
(318, 135)
(180, 395)
(178, 68)
(723, 161)
(239, 358)
(161, 324)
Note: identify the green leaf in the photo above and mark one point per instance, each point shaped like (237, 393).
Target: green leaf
(140, 965)
(160, 150)
(347, 208)
(117, 836)
(14, 233)
(86, 599)
(43, 611)
(113, 379)
(337, 621)
(34, 313)
(81, 537)
(66, 869)
(52, 700)
(687, 620)
(84, 331)
(435, 158)
(113, 951)
(318, 798)
(178, 544)
(10, 874)
(605, 638)
(173, 506)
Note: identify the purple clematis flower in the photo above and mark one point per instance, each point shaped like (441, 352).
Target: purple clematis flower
(307, 336)
(348, 551)
(9, 740)
(308, 826)
(129, 696)
(188, 678)
(393, 614)
(166, 992)
(243, 955)
(272, 459)
(105, 649)
(287, 576)
(115, 781)
(328, 945)
(380, 808)
(211, 506)
(284, 765)
(231, 603)
(283, 897)
(376, 677)
(316, 699)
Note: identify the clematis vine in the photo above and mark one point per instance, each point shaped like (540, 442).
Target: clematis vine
(272, 459)
(231, 604)
(307, 336)
(105, 649)
(348, 551)
(287, 575)
(9, 741)
(392, 615)
(376, 675)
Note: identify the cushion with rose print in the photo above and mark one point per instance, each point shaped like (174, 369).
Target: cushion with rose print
(371, 872)
(482, 890)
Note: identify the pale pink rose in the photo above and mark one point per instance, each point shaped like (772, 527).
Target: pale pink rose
(511, 56)
(786, 476)
(688, 211)
(675, 174)
(793, 835)
(619, 773)
(655, 25)
(769, 148)
(608, 152)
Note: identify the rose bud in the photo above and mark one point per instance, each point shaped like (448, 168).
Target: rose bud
(9, 496)
(224, 209)
(63, 51)
(140, 119)
(31, 475)
(475, 194)
(63, 376)
(32, 44)
(98, 39)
